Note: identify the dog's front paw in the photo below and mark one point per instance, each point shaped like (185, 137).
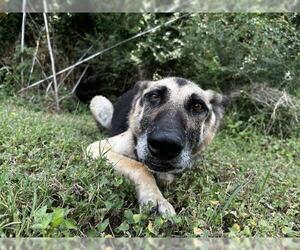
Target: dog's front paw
(165, 208)
(93, 150)
(159, 204)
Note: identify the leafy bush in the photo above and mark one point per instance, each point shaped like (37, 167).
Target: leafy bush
(229, 50)
(222, 51)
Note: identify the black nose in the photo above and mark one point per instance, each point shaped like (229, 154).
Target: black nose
(165, 145)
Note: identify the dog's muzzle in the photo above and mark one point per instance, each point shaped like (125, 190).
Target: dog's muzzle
(166, 138)
(163, 151)
(165, 145)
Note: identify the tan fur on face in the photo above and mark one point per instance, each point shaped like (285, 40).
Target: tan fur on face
(178, 95)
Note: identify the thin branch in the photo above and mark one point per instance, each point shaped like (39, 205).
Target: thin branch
(23, 38)
(34, 56)
(42, 69)
(79, 80)
(38, 38)
(69, 72)
(76, 85)
(51, 58)
(48, 87)
(154, 29)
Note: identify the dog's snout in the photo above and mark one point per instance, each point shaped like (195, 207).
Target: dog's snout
(165, 145)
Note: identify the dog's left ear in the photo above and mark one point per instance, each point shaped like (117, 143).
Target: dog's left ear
(137, 90)
(140, 86)
(218, 101)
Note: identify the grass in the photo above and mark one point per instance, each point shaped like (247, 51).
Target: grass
(246, 184)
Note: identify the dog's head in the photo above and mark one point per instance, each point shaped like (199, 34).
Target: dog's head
(172, 120)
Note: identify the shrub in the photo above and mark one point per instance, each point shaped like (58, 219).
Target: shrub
(224, 51)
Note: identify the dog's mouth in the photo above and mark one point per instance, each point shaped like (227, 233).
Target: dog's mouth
(158, 166)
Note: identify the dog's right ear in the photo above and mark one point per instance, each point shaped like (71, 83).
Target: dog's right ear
(218, 101)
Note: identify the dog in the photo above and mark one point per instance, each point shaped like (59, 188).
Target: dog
(158, 128)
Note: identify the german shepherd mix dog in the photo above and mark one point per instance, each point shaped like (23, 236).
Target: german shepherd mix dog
(158, 127)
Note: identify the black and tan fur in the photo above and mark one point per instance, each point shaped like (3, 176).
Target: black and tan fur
(157, 127)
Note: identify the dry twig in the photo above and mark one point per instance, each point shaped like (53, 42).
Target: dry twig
(34, 58)
(76, 85)
(51, 58)
(23, 38)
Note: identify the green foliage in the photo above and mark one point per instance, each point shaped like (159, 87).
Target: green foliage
(53, 223)
(228, 50)
(48, 187)
(215, 50)
(10, 25)
(222, 51)
(281, 121)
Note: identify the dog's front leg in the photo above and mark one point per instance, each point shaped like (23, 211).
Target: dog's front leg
(114, 150)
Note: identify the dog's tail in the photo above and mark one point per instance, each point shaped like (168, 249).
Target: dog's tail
(102, 110)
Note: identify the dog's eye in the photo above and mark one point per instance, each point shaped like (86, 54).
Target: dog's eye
(198, 107)
(154, 97)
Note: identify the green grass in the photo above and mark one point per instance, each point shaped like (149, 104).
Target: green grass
(246, 184)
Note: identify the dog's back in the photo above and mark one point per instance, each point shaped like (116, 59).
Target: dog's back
(114, 118)
(119, 123)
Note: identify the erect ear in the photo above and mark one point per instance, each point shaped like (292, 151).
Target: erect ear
(140, 86)
(138, 90)
(218, 101)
